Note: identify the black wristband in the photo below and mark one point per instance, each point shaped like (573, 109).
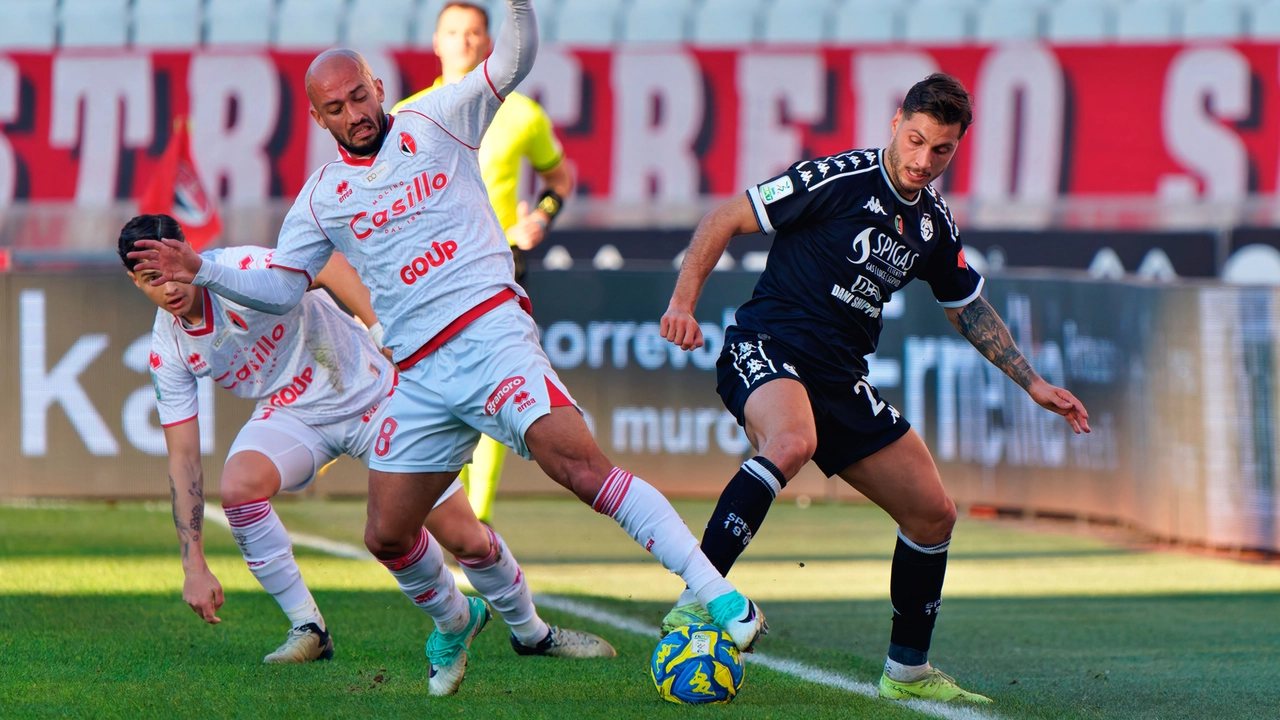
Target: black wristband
(550, 203)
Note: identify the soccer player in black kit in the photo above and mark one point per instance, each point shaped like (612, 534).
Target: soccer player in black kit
(849, 230)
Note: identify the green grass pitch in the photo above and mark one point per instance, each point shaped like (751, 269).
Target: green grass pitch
(1050, 624)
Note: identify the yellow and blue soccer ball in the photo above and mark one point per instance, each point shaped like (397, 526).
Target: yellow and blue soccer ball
(697, 664)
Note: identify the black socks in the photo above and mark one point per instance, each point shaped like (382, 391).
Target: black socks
(915, 588)
(742, 507)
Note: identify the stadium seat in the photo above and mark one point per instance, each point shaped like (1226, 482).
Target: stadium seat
(238, 22)
(866, 21)
(29, 24)
(1213, 19)
(379, 23)
(94, 23)
(166, 23)
(309, 23)
(1265, 20)
(1000, 20)
(586, 22)
(656, 21)
(1146, 21)
(1078, 21)
(937, 21)
(725, 22)
(797, 21)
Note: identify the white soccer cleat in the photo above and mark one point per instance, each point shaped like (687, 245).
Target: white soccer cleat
(304, 643)
(562, 643)
(739, 617)
(448, 651)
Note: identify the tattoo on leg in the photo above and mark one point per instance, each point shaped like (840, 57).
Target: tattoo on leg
(981, 326)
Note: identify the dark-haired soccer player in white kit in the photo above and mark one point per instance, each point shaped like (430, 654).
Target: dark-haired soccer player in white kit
(406, 205)
(850, 230)
(321, 388)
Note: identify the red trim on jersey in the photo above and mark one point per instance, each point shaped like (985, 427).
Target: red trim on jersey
(207, 326)
(174, 424)
(286, 267)
(310, 204)
(456, 327)
(491, 87)
(446, 132)
(558, 398)
(251, 502)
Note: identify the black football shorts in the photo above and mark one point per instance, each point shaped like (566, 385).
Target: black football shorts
(853, 422)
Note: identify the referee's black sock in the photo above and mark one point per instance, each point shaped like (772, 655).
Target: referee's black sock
(915, 589)
(742, 507)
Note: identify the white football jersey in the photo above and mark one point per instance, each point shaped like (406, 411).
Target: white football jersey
(314, 359)
(414, 220)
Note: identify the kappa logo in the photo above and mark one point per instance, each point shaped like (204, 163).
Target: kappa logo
(926, 227)
(407, 146)
(790, 368)
(344, 190)
(197, 362)
(873, 205)
(156, 362)
(505, 390)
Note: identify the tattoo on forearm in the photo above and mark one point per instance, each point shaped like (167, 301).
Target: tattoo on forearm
(189, 531)
(981, 326)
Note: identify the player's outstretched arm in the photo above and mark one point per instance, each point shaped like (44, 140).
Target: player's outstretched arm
(734, 217)
(515, 49)
(983, 328)
(200, 589)
(272, 290)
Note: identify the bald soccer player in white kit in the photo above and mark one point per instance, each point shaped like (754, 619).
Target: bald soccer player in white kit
(405, 203)
(321, 388)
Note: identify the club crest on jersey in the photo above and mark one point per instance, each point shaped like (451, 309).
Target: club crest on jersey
(237, 321)
(897, 223)
(926, 227)
(407, 146)
(344, 190)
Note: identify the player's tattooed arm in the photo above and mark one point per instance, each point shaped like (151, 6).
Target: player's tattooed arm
(983, 328)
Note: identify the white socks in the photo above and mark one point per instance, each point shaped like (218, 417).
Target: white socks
(650, 520)
(429, 584)
(904, 673)
(498, 578)
(269, 552)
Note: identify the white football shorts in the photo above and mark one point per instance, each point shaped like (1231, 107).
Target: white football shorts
(299, 449)
(491, 378)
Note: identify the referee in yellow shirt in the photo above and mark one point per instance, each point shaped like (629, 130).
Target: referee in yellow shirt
(521, 129)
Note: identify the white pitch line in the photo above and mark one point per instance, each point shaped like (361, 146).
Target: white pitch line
(785, 666)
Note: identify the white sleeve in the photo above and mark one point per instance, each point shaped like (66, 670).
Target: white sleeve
(466, 108)
(175, 385)
(274, 291)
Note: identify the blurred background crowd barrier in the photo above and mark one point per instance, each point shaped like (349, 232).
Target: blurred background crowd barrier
(1179, 381)
(1120, 189)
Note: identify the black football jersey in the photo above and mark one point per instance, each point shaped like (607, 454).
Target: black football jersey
(844, 241)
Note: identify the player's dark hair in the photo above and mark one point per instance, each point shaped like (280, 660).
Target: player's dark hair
(146, 227)
(942, 98)
(469, 6)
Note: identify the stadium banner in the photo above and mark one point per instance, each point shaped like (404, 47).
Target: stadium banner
(1178, 123)
(1179, 381)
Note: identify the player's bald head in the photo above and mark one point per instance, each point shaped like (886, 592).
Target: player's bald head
(337, 67)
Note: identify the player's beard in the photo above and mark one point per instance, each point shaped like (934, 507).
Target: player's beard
(374, 143)
(894, 161)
